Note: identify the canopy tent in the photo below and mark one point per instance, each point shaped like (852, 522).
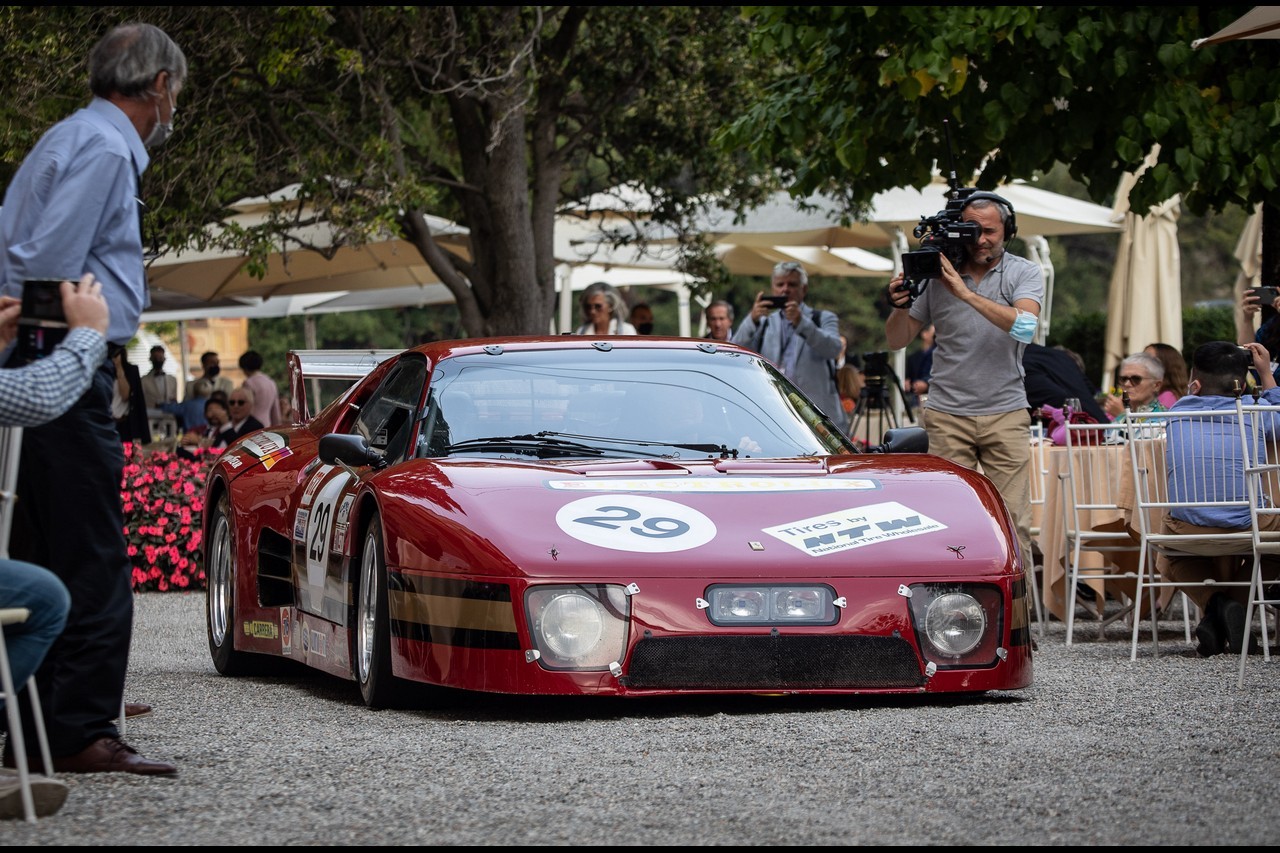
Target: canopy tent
(1262, 22)
(1145, 303)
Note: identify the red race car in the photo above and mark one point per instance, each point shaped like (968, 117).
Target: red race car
(624, 516)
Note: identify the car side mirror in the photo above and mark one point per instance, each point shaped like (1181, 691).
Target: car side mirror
(912, 439)
(344, 449)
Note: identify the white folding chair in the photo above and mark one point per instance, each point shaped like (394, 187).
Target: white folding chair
(1095, 469)
(1184, 461)
(15, 616)
(1260, 430)
(1039, 489)
(10, 451)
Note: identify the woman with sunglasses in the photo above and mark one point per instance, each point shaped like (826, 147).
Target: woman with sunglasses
(1141, 376)
(603, 311)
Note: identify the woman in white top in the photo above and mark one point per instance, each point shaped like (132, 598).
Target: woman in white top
(604, 311)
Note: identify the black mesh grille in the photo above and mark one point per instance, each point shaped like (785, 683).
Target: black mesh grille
(773, 663)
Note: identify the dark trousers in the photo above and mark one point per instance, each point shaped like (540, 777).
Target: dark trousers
(69, 518)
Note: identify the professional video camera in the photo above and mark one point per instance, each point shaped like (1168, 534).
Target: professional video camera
(944, 233)
(947, 233)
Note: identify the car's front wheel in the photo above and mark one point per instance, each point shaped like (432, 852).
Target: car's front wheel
(373, 623)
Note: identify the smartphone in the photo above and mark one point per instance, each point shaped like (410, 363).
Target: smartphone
(42, 300)
(42, 324)
(775, 301)
(1266, 295)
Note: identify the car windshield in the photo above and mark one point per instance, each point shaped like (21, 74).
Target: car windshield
(620, 402)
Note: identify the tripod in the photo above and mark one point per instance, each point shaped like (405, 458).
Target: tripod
(877, 396)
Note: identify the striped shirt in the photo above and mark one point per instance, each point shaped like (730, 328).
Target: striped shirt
(44, 389)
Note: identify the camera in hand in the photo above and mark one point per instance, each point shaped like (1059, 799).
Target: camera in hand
(944, 233)
(775, 301)
(42, 324)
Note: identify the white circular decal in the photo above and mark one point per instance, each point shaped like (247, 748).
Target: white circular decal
(635, 523)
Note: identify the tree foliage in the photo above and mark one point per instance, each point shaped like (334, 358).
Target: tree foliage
(495, 116)
(866, 94)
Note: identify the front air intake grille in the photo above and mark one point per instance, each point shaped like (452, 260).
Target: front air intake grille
(808, 662)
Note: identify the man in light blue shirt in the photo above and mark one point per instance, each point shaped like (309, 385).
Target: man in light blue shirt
(1219, 370)
(73, 208)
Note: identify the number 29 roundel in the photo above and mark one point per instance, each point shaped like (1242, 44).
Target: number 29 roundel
(635, 523)
(320, 521)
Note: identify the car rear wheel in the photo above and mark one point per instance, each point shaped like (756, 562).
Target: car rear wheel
(373, 623)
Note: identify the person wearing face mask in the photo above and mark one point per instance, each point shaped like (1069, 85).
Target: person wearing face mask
(159, 388)
(73, 207)
(211, 370)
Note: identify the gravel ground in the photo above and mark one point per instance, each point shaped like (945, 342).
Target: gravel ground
(1162, 751)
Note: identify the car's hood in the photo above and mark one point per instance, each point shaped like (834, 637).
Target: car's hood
(806, 517)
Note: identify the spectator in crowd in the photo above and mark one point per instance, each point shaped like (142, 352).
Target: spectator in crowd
(128, 405)
(1053, 377)
(211, 369)
(1141, 376)
(920, 368)
(30, 396)
(241, 406)
(719, 317)
(266, 397)
(1176, 376)
(190, 412)
(1218, 367)
(642, 318)
(158, 387)
(73, 204)
(216, 432)
(985, 312)
(803, 342)
(603, 311)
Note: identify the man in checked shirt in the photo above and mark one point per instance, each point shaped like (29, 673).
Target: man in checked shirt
(32, 395)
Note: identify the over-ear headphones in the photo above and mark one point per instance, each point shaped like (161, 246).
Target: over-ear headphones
(1010, 224)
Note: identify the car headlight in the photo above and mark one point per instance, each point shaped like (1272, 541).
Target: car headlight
(580, 627)
(771, 605)
(957, 624)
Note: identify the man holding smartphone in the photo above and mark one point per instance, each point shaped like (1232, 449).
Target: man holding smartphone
(72, 207)
(804, 342)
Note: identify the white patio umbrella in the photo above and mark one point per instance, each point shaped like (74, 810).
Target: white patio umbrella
(293, 269)
(1249, 254)
(1261, 22)
(1145, 304)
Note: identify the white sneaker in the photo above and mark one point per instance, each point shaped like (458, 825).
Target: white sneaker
(48, 795)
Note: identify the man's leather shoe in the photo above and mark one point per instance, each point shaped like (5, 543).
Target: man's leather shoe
(1233, 614)
(111, 755)
(133, 710)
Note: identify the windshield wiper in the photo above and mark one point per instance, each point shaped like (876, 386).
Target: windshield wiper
(718, 449)
(529, 445)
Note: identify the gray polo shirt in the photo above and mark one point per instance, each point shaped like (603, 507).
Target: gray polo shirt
(977, 367)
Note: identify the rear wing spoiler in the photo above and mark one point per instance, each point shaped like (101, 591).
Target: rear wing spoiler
(312, 365)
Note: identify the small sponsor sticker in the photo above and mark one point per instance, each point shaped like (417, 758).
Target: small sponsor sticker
(300, 525)
(286, 631)
(855, 527)
(234, 460)
(261, 630)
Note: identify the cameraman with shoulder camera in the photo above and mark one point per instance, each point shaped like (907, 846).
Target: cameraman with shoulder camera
(804, 342)
(985, 314)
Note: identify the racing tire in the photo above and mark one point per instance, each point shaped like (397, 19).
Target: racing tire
(220, 603)
(372, 654)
